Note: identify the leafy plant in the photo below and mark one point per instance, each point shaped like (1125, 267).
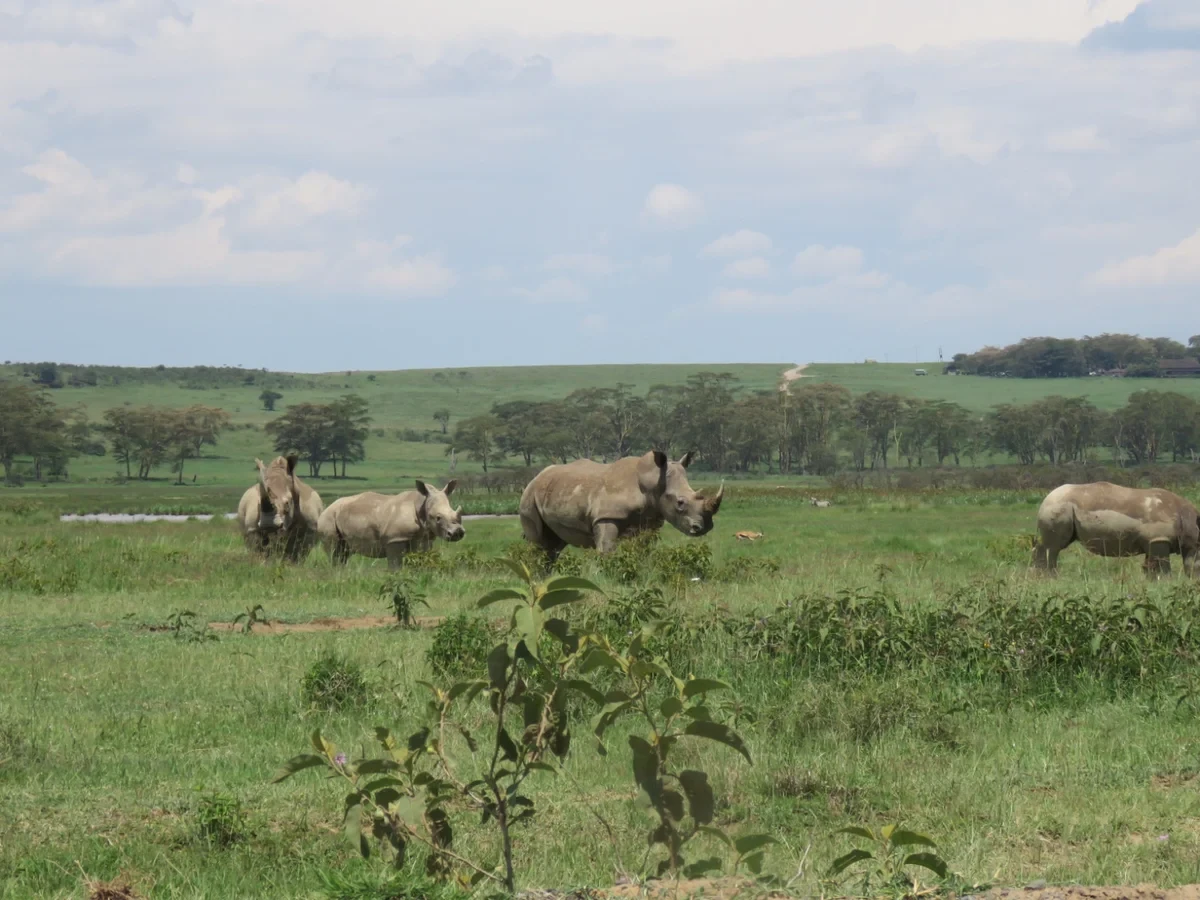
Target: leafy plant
(334, 682)
(682, 802)
(401, 596)
(220, 819)
(249, 618)
(184, 626)
(460, 644)
(887, 863)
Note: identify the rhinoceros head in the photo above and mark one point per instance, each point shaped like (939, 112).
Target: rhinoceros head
(277, 495)
(436, 514)
(689, 511)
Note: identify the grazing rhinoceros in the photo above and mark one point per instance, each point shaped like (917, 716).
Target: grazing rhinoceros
(280, 512)
(389, 525)
(1110, 520)
(591, 504)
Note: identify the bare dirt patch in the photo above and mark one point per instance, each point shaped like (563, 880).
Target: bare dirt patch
(732, 887)
(791, 375)
(1082, 892)
(329, 623)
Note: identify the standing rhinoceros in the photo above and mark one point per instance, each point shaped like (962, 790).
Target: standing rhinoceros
(390, 525)
(1110, 520)
(280, 512)
(591, 504)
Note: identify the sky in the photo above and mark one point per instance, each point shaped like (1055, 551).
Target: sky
(312, 186)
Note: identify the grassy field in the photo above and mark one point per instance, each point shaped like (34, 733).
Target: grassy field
(1033, 733)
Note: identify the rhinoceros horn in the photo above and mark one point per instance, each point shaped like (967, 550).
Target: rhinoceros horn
(712, 504)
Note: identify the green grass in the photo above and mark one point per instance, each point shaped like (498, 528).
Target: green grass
(115, 736)
(981, 393)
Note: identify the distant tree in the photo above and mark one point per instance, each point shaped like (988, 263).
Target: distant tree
(351, 427)
(269, 398)
(191, 429)
(479, 438)
(306, 429)
(141, 436)
(521, 433)
(46, 374)
(30, 425)
(442, 417)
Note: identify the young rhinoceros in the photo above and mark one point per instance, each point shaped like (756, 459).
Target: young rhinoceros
(389, 526)
(280, 512)
(591, 504)
(1110, 520)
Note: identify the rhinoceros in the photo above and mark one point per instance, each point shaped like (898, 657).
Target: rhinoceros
(280, 511)
(390, 525)
(590, 504)
(1111, 520)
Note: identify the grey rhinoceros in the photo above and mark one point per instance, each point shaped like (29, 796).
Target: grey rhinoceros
(1111, 520)
(388, 526)
(590, 504)
(280, 512)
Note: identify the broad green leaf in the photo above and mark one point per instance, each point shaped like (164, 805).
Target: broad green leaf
(701, 867)
(585, 687)
(645, 767)
(298, 764)
(528, 622)
(497, 663)
(672, 802)
(571, 582)
(517, 568)
(469, 689)
(643, 668)
(380, 783)
(701, 803)
(552, 599)
(497, 595)
(702, 685)
(748, 843)
(930, 861)
(713, 831)
(671, 706)
(377, 766)
(506, 745)
(754, 862)
(318, 742)
(845, 861)
(715, 731)
(410, 810)
(886, 831)
(902, 838)
(353, 825)
(598, 659)
(857, 831)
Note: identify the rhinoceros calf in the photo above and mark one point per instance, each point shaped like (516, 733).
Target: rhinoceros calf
(389, 525)
(590, 504)
(280, 511)
(1110, 520)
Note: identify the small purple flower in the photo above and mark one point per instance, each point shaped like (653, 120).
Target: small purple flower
(340, 759)
(1164, 837)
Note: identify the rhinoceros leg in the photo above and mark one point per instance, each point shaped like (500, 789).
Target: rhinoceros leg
(605, 535)
(1158, 559)
(396, 551)
(539, 534)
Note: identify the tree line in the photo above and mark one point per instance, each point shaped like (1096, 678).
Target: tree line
(1049, 357)
(820, 428)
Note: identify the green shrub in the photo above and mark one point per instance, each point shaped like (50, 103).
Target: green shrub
(747, 568)
(220, 820)
(683, 562)
(460, 645)
(334, 682)
(631, 560)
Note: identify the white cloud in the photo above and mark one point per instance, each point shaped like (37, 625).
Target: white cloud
(1076, 140)
(896, 149)
(742, 242)
(186, 174)
(672, 206)
(495, 273)
(420, 276)
(1175, 265)
(657, 265)
(282, 203)
(817, 261)
(592, 264)
(555, 290)
(751, 267)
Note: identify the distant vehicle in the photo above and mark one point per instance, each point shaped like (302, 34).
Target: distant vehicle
(920, 372)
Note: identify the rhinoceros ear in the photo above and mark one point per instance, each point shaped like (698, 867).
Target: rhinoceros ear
(660, 459)
(258, 463)
(292, 459)
(423, 488)
(686, 459)
(450, 486)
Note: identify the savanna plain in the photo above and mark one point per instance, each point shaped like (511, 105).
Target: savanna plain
(888, 661)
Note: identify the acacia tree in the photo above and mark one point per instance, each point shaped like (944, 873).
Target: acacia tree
(305, 429)
(350, 430)
(31, 424)
(479, 438)
(269, 398)
(442, 417)
(192, 429)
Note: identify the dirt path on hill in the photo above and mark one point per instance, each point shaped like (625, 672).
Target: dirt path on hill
(791, 375)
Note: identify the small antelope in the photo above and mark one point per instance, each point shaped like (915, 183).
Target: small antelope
(820, 504)
(748, 535)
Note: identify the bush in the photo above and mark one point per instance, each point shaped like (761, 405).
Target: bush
(460, 645)
(683, 562)
(631, 560)
(334, 682)
(220, 820)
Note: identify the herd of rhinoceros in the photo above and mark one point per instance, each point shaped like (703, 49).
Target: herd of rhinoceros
(592, 505)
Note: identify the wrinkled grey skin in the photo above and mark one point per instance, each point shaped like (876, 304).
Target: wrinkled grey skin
(1111, 520)
(386, 526)
(591, 504)
(280, 512)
